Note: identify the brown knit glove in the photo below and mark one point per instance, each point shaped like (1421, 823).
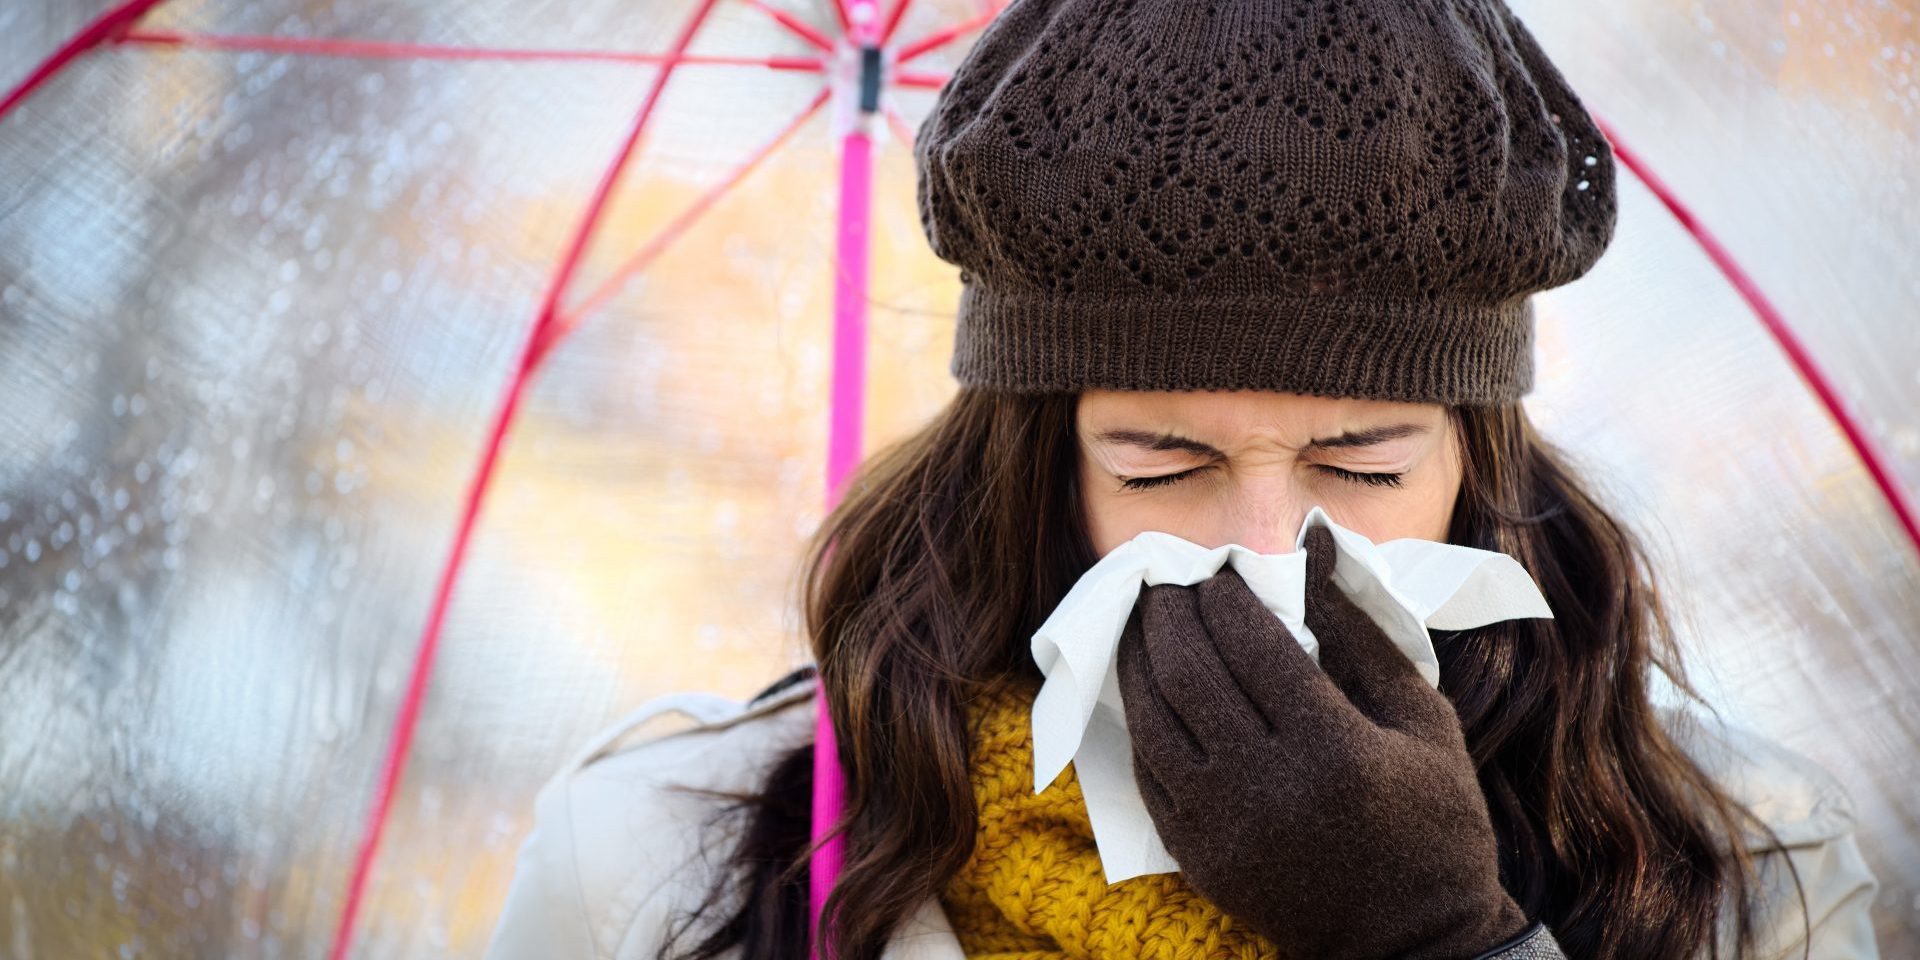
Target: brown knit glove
(1337, 824)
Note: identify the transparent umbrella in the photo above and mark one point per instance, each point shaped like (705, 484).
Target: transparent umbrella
(348, 346)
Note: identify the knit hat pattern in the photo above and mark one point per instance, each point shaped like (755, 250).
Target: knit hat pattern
(1339, 197)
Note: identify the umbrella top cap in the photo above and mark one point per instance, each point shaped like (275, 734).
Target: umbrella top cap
(1347, 198)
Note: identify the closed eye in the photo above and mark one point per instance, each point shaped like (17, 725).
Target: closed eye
(1141, 483)
(1370, 479)
(1351, 476)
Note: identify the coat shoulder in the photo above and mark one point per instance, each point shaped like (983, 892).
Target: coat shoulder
(1791, 793)
(1815, 889)
(617, 846)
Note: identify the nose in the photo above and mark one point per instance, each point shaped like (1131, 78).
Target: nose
(1265, 527)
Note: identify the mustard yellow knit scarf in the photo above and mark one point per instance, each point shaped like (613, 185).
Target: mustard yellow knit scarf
(1034, 890)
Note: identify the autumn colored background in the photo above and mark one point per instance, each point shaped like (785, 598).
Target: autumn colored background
(256, 311)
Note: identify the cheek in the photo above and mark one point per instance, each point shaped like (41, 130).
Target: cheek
(1108, 517)
(1422, 511)
(1420, 518)
(1113, 517)
(1113, 521)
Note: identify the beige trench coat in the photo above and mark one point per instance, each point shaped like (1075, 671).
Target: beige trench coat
(613, 854)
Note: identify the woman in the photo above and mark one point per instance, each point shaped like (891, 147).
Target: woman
(1222, 262)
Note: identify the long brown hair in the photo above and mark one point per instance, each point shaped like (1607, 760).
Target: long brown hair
(923, 587)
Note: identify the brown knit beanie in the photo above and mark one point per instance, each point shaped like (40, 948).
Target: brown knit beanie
(1339, 197)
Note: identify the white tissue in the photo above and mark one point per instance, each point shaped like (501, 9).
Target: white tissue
(1407, 586)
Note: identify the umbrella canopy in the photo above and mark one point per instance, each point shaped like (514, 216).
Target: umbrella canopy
(274, 277)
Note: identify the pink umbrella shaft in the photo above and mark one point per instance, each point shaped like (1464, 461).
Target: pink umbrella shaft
(843, 453)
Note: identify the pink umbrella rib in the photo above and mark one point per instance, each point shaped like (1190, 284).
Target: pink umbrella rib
(537, 340)
(800, 27)
(936, 40)
(843, 17)
(658, 244)
(898, 125)
(894, 17)
(1776, 324)
(108, 25)
(925, 81)
(381, 49)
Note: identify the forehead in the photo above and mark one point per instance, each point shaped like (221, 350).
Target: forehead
(1224, 414)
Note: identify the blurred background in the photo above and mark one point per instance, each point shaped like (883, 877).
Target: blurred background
(257, 310)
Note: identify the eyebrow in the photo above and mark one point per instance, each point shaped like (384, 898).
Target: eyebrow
(1168, 441)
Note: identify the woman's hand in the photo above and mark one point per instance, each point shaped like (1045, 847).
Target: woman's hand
(1334, 810)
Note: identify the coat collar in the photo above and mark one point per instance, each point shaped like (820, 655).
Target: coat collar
(1793, 795)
